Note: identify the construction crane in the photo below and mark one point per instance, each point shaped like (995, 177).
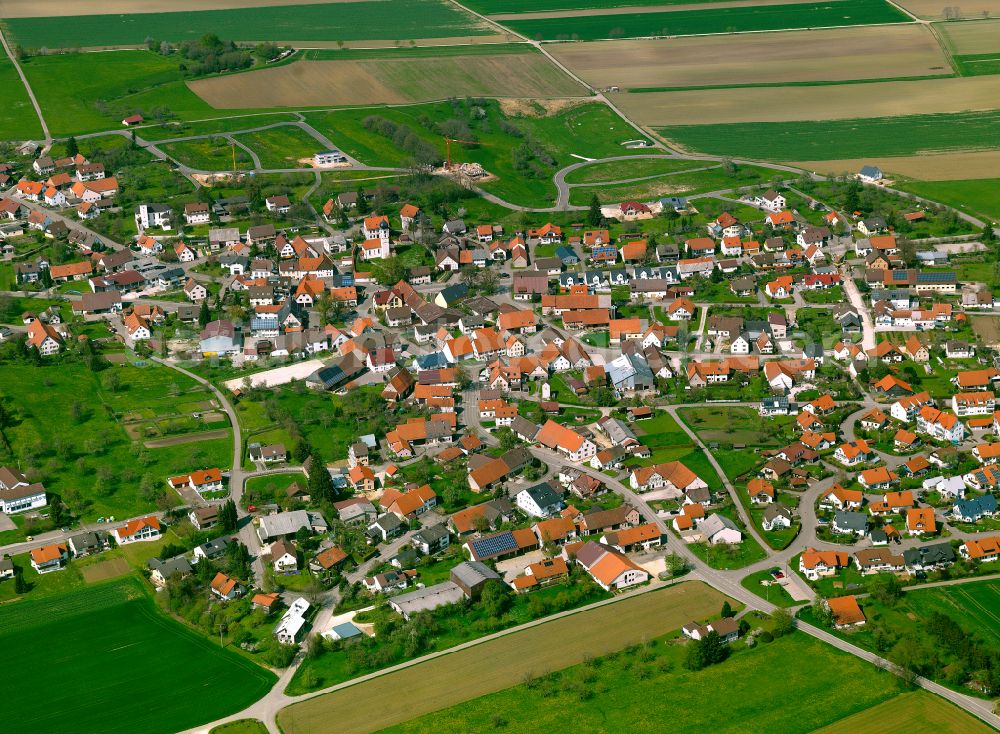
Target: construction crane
(447, 148)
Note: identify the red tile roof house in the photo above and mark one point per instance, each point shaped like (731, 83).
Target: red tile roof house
(203, 480)
(138, 530)
(49, 558)
(225, 587)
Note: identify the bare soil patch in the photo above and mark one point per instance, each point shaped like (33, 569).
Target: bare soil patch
(935, 9)
(987, 328)
(972, 37)
(459, 676)
(308, 83)
(35, 9)
(940, 167)
(837, 54)
(585, 12)
(187, 438)
(537, 107)
(110, 569)
(827, 102)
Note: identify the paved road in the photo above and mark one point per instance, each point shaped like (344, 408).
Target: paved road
(858, 301)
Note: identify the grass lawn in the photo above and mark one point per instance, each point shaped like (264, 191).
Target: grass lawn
(272, 488)
(611, 171)
(797, 668)
(209, 154)
(972, 605)
(462, 675)
(683, 183)
(773, 592)
(835, 139)
(916, 712)
(824, 295)
(99, 473)
(348, 21)
(175, 129)
(281, 147)
(589, 129)
(18, 120)
(667, 441)
(979, 197)
(134, 660)
(709, 20)
(728, 557)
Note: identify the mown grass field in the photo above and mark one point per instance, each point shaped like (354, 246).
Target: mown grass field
(177, 129)
(975, 606)
(106, 87)
(502, 662)
(111, 659)
(917, 712)
(81, 450)
(18, 120)
(835, 139)
(281, 147)
(342, 21)
(709, 20)
(681, 183)
(725, 698)
(210, 154)
(979, 197)
(624, 170)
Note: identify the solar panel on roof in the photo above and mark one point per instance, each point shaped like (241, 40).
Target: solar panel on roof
(494, 545)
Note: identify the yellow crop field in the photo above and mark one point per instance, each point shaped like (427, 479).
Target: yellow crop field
(383, 80)
(837, 54)
(501, 663)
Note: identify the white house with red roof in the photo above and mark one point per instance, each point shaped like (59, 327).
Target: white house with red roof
(142, 529)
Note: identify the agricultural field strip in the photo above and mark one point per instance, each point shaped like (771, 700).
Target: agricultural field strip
(34, 9)
(459, 676)
(641, 178)
(367, 81)
(971, 37)
(629, 10)
(935, 9)
(708, 20)
(343, 21)
(830, 102)
(838, 54)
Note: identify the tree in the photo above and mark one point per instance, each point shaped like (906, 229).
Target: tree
(228, 517)
(727, 609)
(782, 622)
(494, 599)
(20, 585)
(594, 216)
(112, 381)
(204, 316)
(885, 587)
(71, 147)
(989, 237)
(320, 484)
